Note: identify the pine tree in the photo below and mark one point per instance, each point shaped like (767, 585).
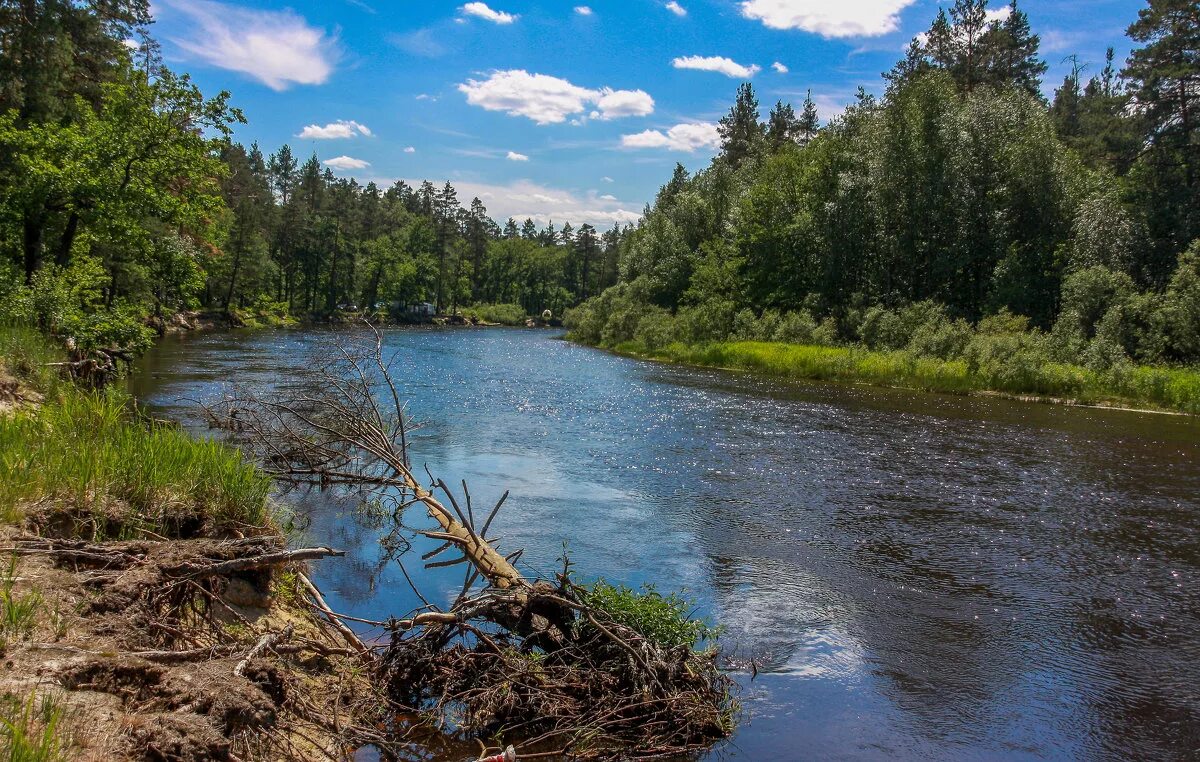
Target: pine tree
(1010, 53)
(810, 121)
(741, 132)
(510, 229)
(782, 126)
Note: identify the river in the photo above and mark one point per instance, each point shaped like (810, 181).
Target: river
(919, 576)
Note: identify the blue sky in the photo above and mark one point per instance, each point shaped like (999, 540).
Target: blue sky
(554, 110)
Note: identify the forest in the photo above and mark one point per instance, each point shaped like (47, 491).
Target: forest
(960, 217)
(124, 199)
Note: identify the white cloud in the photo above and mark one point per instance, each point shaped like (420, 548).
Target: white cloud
(346, 162)
(779, 68)
(846, 18)
(682, 137)
(514, 156)
(998, 14)
(606, 179)
(523, 199)
(410, 149)
(583, 10)
(614, 104)
(278, 48)
(676, 8)
(719, 64)
(482, 11)
(608, 197)
(342, 128)
(550, 100)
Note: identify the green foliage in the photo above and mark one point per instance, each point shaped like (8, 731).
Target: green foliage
(30, 728)
(504, 314)
(91, 451)
(666, 620)
(28, 355)
(18, 613)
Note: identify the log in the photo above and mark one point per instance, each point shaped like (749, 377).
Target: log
(196, 571)
(269, 640)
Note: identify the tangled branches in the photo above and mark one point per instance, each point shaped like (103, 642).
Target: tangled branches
(547, 664)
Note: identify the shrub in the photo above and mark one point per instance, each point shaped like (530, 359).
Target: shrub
(796, 328)
(655, 330)
(664, 619)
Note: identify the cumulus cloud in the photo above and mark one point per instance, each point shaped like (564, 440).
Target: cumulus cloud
(346, 162)
(998, 14)
(551, 100)
(481, 10)
(607, 179)
(583, 10)
(342, 128)
(608, 197)
(847, 18)
(514, 156)
(410, 149)
(676, 8)
(682, 137)
(779, 68)
(278, 48)
(614, 104)
(719, 64)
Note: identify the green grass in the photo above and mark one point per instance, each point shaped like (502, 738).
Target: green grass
(663, 619)
(30, 729)
(504, 314)
(18, 614)
(1168, 388)
(91, 450)
(27, 355)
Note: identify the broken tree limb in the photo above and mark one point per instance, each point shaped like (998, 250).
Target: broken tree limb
(347, 634)
(196, 571)
(270, 640)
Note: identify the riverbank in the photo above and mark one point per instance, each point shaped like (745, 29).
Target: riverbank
(150, 606)
(1134, 387)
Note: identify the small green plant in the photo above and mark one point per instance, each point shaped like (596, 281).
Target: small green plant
(30, 728)
(18, 614)
(666, 620)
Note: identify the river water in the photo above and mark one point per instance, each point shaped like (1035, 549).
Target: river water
(918, 576)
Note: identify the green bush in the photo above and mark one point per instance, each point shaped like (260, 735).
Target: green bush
(664, 619)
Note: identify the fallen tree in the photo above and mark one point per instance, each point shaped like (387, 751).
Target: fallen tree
(552, 665)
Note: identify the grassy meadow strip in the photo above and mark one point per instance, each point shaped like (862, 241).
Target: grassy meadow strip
(92, 451)
(1175, 389)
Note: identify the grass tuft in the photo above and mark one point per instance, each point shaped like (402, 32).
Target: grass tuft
(30, 729)
(93, 451)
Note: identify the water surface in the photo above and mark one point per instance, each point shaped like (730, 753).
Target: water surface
(918, 576)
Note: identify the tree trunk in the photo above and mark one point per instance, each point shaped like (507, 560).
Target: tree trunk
(63, 257)
(34, 231)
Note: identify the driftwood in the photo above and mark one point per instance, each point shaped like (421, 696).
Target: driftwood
(528, 658)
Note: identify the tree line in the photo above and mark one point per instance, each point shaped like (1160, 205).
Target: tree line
(123, 197)
(958, 195)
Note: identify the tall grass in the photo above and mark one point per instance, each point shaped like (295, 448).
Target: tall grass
(29, 729)
(18, 613)
(1169, 388)
(28, 355)
(91, 450)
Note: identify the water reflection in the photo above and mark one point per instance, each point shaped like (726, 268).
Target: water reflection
(918, 575)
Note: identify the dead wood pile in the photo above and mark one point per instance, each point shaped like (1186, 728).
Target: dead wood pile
(531, 661)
